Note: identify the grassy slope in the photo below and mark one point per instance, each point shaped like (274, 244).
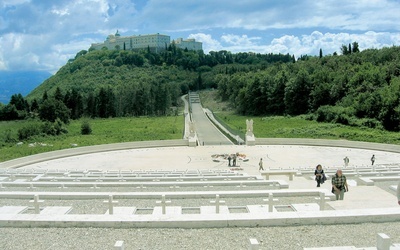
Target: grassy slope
(105, 131)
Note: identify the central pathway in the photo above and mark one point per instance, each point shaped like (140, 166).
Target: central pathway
(207, 133)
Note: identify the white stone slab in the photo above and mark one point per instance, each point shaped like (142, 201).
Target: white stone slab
(123, 210)
(306, 207)
(13, 209)
(56, 210)
(172, 210)
(212, 210)
(393, 187)
(20, 180)
(257, 209)
(352, 183)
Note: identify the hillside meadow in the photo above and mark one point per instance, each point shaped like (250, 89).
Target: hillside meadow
(104, 131)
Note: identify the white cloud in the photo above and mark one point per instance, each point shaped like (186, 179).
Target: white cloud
(36, 34)
(242, 40)
(298, 45)
(209, 44)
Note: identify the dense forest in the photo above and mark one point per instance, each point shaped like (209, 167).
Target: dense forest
(354, 88)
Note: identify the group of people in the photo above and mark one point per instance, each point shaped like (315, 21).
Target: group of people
(347, 160)
(339, 181)
(232, 158)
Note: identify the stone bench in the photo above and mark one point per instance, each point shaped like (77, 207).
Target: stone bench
(369, 181)
(13, 209)
(144, 179)
(98, 183)
(268, 173)
(170, 195)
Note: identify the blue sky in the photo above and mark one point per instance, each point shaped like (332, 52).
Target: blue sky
(43, 34)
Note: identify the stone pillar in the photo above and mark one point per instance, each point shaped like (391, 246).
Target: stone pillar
(253, 244)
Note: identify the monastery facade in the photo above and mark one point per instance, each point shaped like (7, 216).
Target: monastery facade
(156, 43)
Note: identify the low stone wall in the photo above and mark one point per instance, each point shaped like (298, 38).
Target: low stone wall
(329, 143)
(20, 162)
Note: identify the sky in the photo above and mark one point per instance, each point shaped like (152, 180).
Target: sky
(41, 35)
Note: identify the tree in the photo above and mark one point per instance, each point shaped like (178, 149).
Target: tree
(320, 53)
(34, 105)
(45, 96)
(344, 50)
(9, 113)
(355, 47)
(105, 103)
(51, 109)
(73, 100)
(58, 95)
(19, 102)
(297, 94)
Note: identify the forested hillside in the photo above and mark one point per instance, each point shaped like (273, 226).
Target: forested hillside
(355, 88)
(361, 89)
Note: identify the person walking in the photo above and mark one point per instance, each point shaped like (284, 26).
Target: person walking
(229, 160)
(346, 161)
(373, 160)
(339, 185)
(319, 175)
(260, 165)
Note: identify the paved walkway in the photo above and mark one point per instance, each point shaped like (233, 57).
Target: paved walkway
(207, 133)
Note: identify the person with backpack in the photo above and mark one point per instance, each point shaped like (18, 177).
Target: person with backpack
(319, 175)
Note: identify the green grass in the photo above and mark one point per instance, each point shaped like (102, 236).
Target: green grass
(104, 131)
(298, 127)
(293, 127)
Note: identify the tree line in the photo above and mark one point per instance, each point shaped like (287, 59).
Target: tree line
(358, 88)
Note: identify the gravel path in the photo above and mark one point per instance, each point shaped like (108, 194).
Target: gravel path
(276, 238)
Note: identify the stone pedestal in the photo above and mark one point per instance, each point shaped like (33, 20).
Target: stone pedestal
(192, 142)
(250, 140)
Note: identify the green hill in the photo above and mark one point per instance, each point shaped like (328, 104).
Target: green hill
(355, 88)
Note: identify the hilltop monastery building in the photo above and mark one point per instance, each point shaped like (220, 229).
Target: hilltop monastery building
(156, 43)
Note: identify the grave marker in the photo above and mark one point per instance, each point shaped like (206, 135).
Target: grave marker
(217, 203)
(163, 203)
(382, 242)
(270, 201)
(253, 244)
(111, 203)
(119, 244)
(36, 203)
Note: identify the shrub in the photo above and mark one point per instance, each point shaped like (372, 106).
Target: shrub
(54, 128)
(29, 131)
(8, 136)
(336, 114)
(86, 128)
